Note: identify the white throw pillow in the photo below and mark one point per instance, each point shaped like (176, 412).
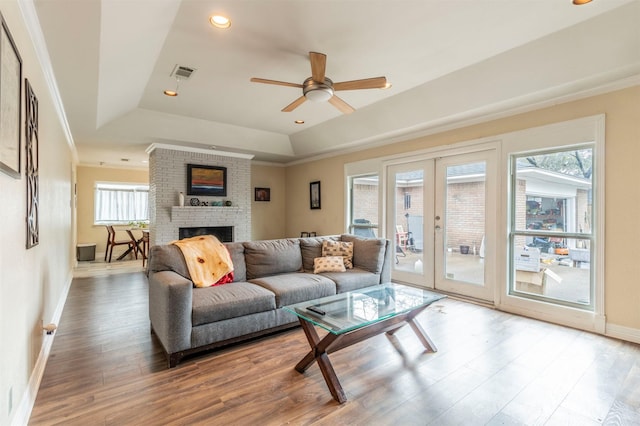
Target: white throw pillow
(328, 264)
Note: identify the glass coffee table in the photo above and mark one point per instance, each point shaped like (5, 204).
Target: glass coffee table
(354, 316)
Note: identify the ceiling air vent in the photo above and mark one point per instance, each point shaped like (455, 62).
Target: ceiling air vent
(181, 72)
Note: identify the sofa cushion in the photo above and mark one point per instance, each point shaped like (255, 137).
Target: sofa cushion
(229, 301)
(310, 248)
(236, 250)
(296, 287)
(168, 257)
(368, 253)
(339, 248)
(265, 258)
(352, 279)
(328, 264)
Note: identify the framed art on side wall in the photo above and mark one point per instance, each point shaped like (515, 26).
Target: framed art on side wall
(32, 165)
(262, 194)
(10, 103)
(314, 195)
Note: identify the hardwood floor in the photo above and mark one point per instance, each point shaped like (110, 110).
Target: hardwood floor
(492, 368)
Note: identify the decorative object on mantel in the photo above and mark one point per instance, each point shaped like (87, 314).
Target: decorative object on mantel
(10, 103)
(228, 203)
(216, 203)
(31, 145)
(181, 199)
(194, 202)
(206, 180)
(314, 195)
(262, 194)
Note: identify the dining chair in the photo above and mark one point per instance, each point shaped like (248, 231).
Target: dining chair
(145, 246)
(112, 242)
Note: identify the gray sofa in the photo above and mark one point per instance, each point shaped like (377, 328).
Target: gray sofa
(268, 274)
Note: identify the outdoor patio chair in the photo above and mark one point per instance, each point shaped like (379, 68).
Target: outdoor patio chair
(415, 232)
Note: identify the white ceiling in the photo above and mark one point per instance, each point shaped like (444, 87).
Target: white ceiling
(450, 62)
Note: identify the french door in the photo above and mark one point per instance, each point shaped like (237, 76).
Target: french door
(441, 217)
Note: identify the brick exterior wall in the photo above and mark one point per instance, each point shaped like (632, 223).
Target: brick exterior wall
(521, 211)
(365, 204)
(465, 215)
(583, 210)
(168, 177)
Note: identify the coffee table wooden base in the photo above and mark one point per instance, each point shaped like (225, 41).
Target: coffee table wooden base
(321, 348)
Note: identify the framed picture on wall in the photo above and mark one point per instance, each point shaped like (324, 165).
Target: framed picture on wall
(206, 180)
(262, 194)
(314, 195)
(10, 103)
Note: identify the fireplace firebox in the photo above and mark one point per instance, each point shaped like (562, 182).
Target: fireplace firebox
(223, 233)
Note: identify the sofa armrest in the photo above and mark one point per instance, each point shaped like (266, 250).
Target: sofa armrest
(170, 305)
(385, 275)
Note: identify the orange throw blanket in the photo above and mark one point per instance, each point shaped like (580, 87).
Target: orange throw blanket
(208, 260)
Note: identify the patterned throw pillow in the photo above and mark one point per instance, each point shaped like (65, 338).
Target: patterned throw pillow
(328, 264)
(339, 248)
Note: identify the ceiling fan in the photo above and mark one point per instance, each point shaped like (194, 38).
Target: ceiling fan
(319, 88)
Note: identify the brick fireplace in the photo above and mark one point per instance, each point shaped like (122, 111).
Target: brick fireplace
(168, 177)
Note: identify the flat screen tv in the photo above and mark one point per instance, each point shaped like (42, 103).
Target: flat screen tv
(206, 180)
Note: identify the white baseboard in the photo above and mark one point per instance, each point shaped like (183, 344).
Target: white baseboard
(624, 333)
(23, 412)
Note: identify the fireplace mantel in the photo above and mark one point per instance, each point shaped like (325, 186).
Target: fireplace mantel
(179, 212)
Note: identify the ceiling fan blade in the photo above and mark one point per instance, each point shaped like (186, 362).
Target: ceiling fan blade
(318, 66)
(365, 83)
(295, 104)
(279, 83)
(344, 107)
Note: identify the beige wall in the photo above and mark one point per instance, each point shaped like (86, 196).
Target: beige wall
(34, 281)
(330, 218)
(622, 109)
(87, 177)
(268, 218)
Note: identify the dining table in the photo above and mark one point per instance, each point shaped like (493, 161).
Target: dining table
(138, 245)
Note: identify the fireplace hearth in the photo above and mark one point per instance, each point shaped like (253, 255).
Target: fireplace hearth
(223, 233)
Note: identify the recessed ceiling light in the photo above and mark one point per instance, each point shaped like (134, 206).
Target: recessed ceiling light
(299, 121)
(579, 2)
(220, 21)
(170, 92)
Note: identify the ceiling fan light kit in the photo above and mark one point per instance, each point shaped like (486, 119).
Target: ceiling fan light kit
(317, 92)
(319, 88)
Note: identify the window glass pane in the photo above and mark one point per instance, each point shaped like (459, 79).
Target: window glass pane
(409, 221)
(551, 239)
(553, 191)
(464, 220)
(121, 203)
(364, 205)
(562, 273)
